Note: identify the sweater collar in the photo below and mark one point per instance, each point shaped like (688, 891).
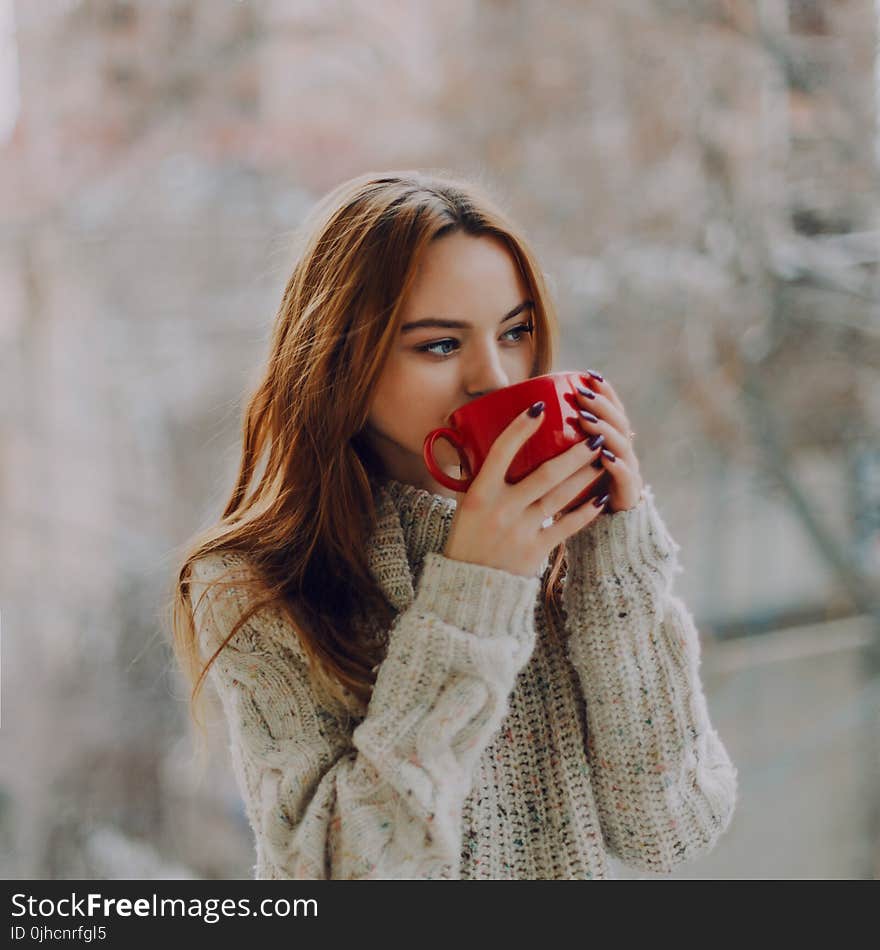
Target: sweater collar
(410, 523)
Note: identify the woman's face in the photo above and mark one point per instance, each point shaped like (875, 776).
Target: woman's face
(432, 370)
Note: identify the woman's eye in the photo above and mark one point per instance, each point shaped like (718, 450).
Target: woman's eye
(523, 328)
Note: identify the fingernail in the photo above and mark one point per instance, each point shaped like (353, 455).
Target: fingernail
(609, 455)
(596, 376)
(596, 463)
(588, 415)
(586, 392)
(595, 441)
(601, 502)
(536, 408)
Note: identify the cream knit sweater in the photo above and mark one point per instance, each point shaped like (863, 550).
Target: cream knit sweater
(489, 750)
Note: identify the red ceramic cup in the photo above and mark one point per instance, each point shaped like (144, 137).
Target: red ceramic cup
(474, 427)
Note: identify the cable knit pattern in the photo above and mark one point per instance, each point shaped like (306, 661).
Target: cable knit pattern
(471, 761)
(664, 784)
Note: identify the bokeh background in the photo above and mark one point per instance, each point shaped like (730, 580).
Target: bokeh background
(699, 178)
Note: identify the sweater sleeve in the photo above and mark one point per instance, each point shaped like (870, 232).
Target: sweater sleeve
(384, 801)
(665, 786)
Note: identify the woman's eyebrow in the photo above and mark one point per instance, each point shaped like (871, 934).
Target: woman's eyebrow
(460, 324)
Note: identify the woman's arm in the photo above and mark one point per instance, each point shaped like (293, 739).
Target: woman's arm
(664, 784)
(385, 801)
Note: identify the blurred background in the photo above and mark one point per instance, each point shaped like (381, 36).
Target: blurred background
(699, 179)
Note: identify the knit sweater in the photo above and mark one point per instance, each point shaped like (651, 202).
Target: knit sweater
(492, 747)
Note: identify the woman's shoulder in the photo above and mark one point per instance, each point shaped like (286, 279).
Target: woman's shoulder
(216, 565)
(268, 638)
(233, 587)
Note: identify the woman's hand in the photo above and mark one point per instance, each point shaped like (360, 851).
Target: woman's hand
(501, 525)
(607, 417)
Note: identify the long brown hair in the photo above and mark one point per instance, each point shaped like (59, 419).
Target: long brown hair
(303, 526)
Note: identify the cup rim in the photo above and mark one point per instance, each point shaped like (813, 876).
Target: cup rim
(507, 389)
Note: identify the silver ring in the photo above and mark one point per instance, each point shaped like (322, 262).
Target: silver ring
(550, 521)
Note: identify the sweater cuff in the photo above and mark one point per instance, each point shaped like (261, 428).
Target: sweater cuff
(485, 601)
(636, 538)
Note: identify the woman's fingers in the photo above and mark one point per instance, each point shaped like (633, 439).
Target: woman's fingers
(504, 448)
(601, 386)
(568, 489)
(612, 440)
(600, 416)
(602, 409)
(625, 487)
(574, 521)
(549, 475)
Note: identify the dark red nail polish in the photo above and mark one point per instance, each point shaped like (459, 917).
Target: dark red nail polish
(601, 502)
(609, 455)
(596, 376)
(588, 415)
(586, 392)
(536, 408)
(596, 463)
(595, 441)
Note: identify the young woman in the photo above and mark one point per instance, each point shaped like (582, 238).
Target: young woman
(412, 688)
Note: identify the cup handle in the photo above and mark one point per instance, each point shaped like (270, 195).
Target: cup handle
(456, 484)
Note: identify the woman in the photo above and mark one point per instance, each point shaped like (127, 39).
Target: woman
(412, 689)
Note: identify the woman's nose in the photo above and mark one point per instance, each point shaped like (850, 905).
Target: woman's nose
(486, 372)
(498, 382)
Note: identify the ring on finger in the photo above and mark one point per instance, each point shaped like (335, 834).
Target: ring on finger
(551, 520)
